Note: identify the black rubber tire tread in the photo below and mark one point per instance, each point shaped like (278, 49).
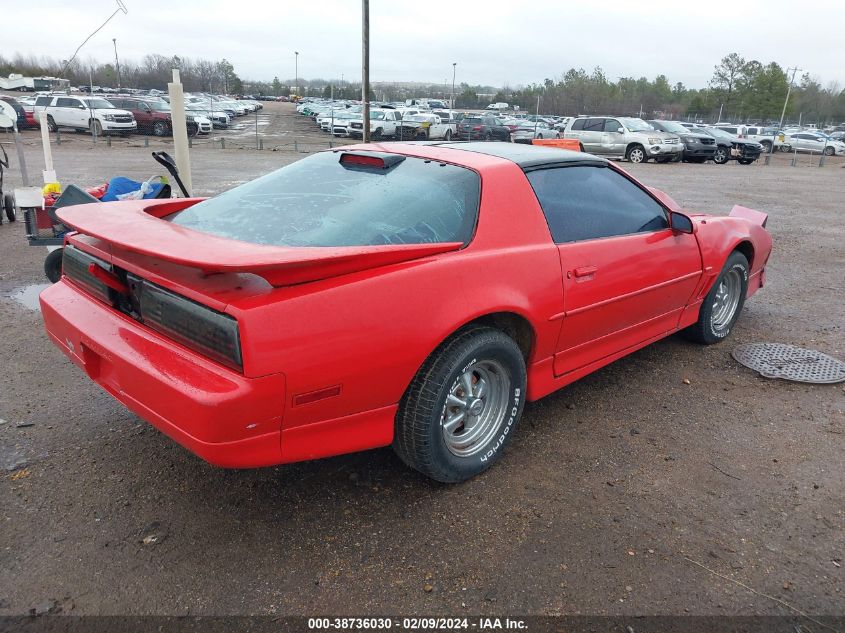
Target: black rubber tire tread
(702, 331)
(53, 265)
(9, 207)
(422, 398)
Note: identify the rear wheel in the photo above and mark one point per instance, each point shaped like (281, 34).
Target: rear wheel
(160, 128)
(722, 305)
(636, 154)
(51, 124)
(463, 406)
(9, 207)
(767, 146)
(829, 151)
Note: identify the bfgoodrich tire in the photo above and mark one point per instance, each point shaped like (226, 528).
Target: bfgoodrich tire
(463, 406)
(722, 305)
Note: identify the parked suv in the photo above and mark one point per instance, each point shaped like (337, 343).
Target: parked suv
(697, 146)
(153, 116)
(626, 137)
(730, 147)
(88, 113)
(484, 127)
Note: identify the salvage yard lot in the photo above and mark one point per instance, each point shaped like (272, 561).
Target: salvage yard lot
(615, 495)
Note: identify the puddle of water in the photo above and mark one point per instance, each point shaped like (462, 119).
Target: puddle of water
(27, 296)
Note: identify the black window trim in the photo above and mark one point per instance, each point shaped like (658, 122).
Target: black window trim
(603, 165)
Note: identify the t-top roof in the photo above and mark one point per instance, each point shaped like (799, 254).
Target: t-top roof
(524, 155)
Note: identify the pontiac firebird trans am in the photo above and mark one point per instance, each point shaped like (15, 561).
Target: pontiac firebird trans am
(407, 294)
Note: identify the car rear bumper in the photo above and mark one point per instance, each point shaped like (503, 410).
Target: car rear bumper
(220, 415)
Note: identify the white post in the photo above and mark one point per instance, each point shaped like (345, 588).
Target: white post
(180, 130)
(49, 174)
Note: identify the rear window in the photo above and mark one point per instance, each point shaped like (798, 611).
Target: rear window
(319, 202)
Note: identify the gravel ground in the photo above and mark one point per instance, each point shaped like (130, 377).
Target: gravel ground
(628, 492)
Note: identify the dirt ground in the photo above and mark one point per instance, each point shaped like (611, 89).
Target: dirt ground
(628, 492)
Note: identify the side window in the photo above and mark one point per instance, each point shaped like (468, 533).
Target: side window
(586, 203)
(43, 101)
(65, 102)
(578, 124)
(594, 125)
(611, 125)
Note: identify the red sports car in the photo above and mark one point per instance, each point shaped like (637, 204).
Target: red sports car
(407, 294)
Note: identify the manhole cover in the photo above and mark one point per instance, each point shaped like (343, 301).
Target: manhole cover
(777, 360)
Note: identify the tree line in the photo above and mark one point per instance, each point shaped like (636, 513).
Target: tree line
(739, 90)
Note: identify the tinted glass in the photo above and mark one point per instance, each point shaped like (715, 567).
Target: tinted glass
(578, 124)
(43, 101)
(319, 202)
(64, 102)
(586, 202)
(611, 125)
(594, 125)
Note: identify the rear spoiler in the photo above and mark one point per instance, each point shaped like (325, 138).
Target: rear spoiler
(755, 217)
(136, 226)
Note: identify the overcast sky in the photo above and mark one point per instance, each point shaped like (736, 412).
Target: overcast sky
(493, 42)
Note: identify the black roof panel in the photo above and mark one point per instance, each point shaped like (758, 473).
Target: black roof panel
(523, 154)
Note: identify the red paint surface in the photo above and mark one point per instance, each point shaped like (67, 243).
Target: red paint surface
(340, 332)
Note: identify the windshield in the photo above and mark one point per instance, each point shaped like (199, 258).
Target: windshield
(672, 126)
(636, 125)
(376, 116)
(319, 202)
(98, 104)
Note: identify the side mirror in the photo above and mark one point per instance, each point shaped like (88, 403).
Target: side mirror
(81, 106)
(681, 223)
(620, 130)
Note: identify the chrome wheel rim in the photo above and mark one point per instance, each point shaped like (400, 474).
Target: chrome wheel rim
(636, 156)
(726, 301)
(475, 407)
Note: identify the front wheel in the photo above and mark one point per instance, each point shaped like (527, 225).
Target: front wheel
(636, 154)
(51, 124)
(160, 128)
(722, 305)
(96, 127)
(463, 406)
(722, 155)
(448, 135)
(829, 151)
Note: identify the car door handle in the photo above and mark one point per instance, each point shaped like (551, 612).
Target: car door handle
(585, 271)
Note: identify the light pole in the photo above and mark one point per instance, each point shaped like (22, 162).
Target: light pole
(116, 62)
(296, 70)
(454, 68)
(365, 67)
(120, 7)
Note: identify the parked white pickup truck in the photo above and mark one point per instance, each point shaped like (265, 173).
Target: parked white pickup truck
(428, 126)
(382, 123)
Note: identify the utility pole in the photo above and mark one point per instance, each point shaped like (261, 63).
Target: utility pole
(782, 114)
(365, 67)
(296, 70)
(116, 62)
(454, 66)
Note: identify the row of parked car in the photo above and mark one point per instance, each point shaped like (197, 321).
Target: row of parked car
(631, 138)
(127, 113)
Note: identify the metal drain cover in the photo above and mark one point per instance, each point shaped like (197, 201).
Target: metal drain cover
(777, 360)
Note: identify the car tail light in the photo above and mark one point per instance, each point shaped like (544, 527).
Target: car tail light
(208, 331)
(76, 265)
(476, 127)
